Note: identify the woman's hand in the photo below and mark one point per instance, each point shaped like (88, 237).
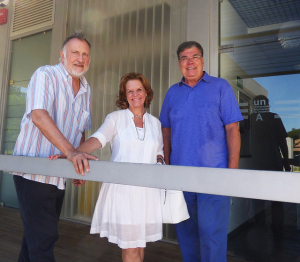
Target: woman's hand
(53, 157)
(78, 182)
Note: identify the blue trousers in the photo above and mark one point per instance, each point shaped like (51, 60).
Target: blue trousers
(40, 205)
(203, 237)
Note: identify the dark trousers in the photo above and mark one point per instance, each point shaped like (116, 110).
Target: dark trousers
(277, 217)
(203, 237)
(40, 206)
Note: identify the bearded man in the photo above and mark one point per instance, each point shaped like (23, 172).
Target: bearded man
(57, 114)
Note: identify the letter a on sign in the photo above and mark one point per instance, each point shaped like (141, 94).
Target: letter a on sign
(259, 117)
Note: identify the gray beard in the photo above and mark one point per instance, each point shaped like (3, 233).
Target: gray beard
(72, 71)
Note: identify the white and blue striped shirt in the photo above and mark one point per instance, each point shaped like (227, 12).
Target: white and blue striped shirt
(50, 88)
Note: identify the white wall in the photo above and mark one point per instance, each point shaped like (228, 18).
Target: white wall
(202, 21)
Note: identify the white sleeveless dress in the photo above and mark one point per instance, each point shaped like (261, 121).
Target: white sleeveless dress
(129, 216)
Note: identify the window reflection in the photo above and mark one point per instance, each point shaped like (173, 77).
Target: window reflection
(263, 70)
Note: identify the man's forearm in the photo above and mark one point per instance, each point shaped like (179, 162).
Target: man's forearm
(234, 144)
(46, 125)
(166, 132)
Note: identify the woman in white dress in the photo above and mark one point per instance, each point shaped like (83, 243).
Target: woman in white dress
(129, 216)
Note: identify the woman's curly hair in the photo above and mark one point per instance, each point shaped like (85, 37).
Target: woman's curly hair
(122, 100)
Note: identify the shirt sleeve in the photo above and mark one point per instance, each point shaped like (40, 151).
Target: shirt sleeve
(107, 130)
(40, 92)
(165, 110)
(229, 108)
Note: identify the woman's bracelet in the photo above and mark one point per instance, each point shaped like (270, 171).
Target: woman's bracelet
(160, 158)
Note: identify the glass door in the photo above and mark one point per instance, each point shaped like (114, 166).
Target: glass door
(27, 55)
(260, 58)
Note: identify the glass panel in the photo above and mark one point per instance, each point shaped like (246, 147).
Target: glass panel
(126, 36)
(28, 54)
(254, 240)
(262, 65)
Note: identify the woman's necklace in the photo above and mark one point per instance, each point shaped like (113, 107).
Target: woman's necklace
(137, 132)
(140, 116)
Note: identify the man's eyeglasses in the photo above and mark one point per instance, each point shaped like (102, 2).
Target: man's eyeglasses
(193, 58)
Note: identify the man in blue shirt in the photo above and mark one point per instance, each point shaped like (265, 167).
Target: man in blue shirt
(199, 120)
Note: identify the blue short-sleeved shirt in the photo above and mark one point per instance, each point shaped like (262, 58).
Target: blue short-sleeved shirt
(197, 117)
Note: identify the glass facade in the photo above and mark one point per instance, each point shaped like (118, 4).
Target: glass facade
(260, 57)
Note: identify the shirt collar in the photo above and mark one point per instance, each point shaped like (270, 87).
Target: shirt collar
(206, 78)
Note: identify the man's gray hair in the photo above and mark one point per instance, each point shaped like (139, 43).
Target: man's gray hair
(78, 34)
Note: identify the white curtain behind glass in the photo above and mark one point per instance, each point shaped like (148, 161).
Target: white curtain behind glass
(126, 36)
